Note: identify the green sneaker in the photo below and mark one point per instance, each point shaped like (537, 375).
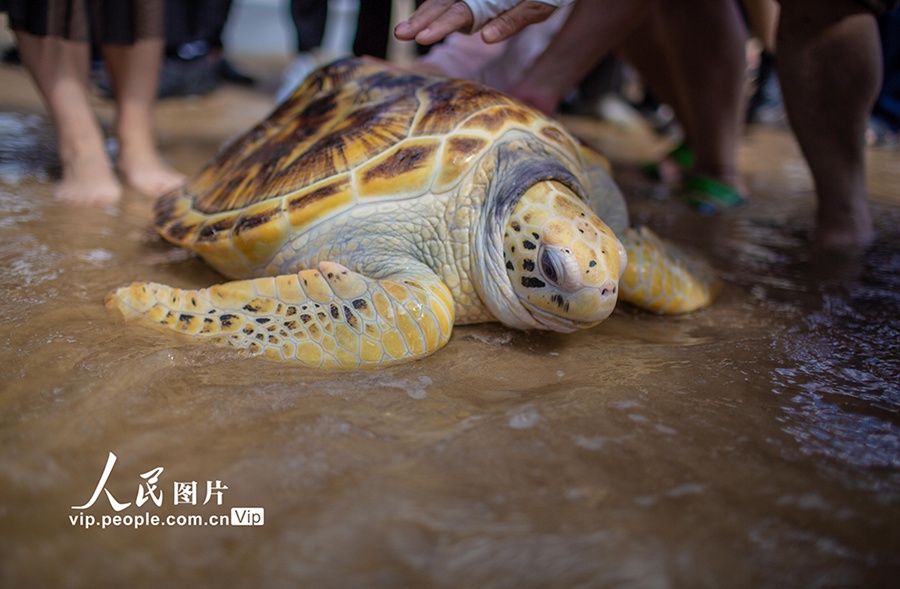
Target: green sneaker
(708, 196)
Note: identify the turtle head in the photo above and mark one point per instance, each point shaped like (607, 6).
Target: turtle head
(564, 263)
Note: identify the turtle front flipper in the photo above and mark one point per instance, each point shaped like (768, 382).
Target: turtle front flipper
(329, 317)
(662, 279)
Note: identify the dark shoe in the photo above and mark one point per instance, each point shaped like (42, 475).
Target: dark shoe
(188, 77)
(228, 73)
(178, 77)
(765, 105)
(11, 56)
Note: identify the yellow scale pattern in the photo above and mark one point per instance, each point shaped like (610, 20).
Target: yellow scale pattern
(329, 317)
(659, 279)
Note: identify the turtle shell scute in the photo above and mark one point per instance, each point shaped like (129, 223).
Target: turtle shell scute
(354, 131)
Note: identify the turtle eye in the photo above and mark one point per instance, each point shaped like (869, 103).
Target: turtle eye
(551, 267)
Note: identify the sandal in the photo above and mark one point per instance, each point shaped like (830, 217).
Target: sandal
(683, 156)
(708, 196)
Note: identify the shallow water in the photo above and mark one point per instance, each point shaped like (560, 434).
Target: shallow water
(752, 444)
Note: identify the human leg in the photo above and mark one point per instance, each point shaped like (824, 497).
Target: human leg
(830, 71)
(691, 54)
(703, 41)
(645, 51)
(762, 16)
(373, 32)
(765, 104)
(134, 71)
(60, 70)
(309, 22)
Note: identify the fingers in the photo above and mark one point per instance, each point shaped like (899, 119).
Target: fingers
(514, 20)
(434, 20)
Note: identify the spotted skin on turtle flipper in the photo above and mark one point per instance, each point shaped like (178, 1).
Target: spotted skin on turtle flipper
(328, 317)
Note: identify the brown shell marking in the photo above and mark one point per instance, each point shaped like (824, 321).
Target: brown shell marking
(318, 144)
(341, 117)
(318, 201)
(493, 119)
(407, 170)
(459, 152)
(449, 102)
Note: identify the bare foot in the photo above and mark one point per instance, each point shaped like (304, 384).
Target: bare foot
(88, 182)
(848, 231)
(149, 174)
(139, 162)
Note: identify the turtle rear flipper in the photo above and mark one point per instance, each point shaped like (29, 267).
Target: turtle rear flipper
(663, 279)
(327, 317)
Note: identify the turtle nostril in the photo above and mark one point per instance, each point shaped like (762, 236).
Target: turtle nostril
(608, 288)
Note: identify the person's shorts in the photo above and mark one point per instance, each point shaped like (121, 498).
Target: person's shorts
(116, 22)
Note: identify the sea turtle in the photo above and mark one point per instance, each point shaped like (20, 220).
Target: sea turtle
(376, 208)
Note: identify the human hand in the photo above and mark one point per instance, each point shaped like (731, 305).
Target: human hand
(500, 19)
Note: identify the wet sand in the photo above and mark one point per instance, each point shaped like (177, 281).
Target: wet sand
(752, 444)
